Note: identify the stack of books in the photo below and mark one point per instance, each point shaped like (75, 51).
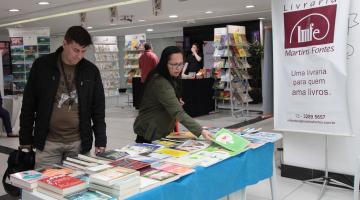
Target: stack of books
(26, 180)
(60, 186)
(118, 181)
(89, 167)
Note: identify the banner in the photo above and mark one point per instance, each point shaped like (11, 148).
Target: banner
(27, 44)
(310, 72)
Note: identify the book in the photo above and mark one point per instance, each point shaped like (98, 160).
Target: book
(230, 141)
(155, 155)
(131, 189)
(193, 145)
(172, 152)
(146, 159)
(166, 143)
(176, 169)
(148, 183)
(130, 164)
(89, 195)
(158, 175)
(96, 169)
(181, 135)
(92, 159)
(209, 157)
(186, 161)
(112, 154)
(26, 179)
(111, 176)
(81, 162)
(62, 184)
(138, 148)
(55, 171)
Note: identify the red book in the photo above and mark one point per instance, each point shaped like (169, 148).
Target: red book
(62, 184)
(130, 164)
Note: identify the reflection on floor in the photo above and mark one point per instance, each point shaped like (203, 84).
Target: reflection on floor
(120, 118)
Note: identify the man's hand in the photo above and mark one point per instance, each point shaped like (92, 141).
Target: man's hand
(99, 150)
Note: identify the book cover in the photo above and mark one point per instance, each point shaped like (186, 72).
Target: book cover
(138, 148)
(172, 152)
(89, 195)
(111, 176)
(228, 140)
(176, 169)
(130, 164)
(146, 159)
(113, 154)
(181, 135)
(26, 179)
(186, 161)
(193, 145)
(62, 184)
(155, 155)
(208, 158)
(55, 171)
(156, 174)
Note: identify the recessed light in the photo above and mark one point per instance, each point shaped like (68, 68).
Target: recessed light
(261, 18)
(173, 16)
(149, 30)
(89, 27)
(250, 6)
(209, 12)
(14, 10)
(141, 20)
(43, 3)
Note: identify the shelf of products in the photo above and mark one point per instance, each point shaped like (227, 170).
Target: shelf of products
(107, 60)
(134, 47)
(231, 69)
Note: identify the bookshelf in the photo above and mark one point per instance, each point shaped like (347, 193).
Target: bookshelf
(134, 47)
(231, 69)
(107, 60)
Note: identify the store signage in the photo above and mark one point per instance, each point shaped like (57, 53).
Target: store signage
(310, 73)
(310, 27)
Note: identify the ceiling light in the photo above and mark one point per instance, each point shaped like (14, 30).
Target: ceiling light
(261, 18)
(14, 10)
(209, 12)
(173, 16)
(89, 27)
(43, 3)
(149, 30)
(250, 6)
(141, 20)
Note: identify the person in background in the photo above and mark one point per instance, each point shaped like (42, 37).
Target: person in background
(162, 107)
(147, 61)
(63, 103)
(193, 62)
(5, 116)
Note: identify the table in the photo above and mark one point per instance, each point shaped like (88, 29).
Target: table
(219, 180)
(230, 176)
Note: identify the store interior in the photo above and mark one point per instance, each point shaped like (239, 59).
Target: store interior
(181, 23)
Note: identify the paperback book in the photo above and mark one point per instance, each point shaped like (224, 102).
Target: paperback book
(230, 141)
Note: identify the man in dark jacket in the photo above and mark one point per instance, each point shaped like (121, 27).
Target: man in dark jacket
(64, 103)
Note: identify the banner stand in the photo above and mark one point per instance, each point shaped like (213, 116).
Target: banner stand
(326, 180)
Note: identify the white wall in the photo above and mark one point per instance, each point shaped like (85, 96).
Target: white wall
(306, 150)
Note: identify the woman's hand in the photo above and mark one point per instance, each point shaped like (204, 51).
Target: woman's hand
(206, 134)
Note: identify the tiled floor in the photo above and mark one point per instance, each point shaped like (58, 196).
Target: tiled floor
(120, 117)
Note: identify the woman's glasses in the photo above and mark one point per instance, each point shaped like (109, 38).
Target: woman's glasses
(176, 65)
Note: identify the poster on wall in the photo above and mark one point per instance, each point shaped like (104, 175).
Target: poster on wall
(27, 44)
(6, 64)
(310, 72)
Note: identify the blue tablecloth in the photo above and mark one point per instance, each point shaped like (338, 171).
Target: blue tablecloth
(218, 180)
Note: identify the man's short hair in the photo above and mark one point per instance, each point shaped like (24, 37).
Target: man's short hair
(79, 35)
(147, 46)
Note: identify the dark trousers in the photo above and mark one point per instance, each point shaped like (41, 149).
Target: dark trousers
(5, 116)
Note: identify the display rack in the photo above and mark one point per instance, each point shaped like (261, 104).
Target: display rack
(134, 47)
(230, 70)
(107, 60)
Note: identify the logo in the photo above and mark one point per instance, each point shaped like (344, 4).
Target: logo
(310, 27)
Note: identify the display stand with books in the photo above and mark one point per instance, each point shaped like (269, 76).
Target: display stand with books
(107, 60)
(230, 69)
(134, 47)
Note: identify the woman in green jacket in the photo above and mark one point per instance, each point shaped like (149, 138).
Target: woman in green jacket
(160, 106)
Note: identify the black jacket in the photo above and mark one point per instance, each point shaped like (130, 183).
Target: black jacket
(39, 96)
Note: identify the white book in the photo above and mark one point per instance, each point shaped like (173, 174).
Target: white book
(91, 159)
(74, 160)
(96, 169)
(148, 184)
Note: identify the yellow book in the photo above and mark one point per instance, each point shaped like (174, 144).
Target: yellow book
(171, 152)
(181, 135)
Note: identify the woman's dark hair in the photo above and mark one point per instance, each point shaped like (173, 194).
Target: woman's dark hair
(163, 70)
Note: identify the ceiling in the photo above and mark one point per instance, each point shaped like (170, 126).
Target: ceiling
(190, 12)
